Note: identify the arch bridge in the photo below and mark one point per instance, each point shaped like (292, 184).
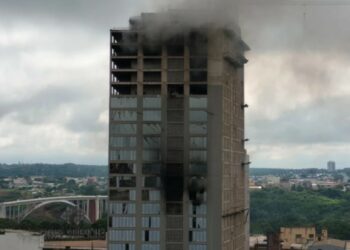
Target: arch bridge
(92, 207)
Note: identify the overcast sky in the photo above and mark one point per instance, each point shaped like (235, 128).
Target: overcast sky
(54, 81)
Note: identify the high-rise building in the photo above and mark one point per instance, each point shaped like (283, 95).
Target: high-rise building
(178, 170)
(331, 166)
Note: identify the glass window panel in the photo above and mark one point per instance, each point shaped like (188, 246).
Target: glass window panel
(198, 168)
(198, 222)
(151, 181)
(123, 128)
(121, 246)
(198, 116)
(126, 181)
(197, 247)
(150, 247)
(195, 210)
(151, 155)
(148, 235)
(151, 168)
(152, 115)
(122, 195)
(198, 155)
(198, 142)
(123, 221)
(152, 128)
(198, 102)
(123, 102)
(123, 142)
(121, 235)
(124, 155)
(151, 222)
(198, 236)
(122, 168)
(121, 208)
(152, 208)
(123, 115)
(151, 102)
(198, 128)
(151, 142)
(150, 195)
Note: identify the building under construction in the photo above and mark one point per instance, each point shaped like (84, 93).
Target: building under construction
(178, 168)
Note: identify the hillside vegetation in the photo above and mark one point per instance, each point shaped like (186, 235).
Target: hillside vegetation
(274, 208)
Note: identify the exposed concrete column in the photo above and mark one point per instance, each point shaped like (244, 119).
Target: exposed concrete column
(2, 211)
(97, 208)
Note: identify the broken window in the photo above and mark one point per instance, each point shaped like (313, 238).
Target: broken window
(122, 168)
(198, 63)
(154, 89)
(152, 76)
(152, 63)
(198, 76)
(175, 76)
(124, 64)
(151, 168)
(124, 77)
(198, 89)
(175, 90)
(174, 63)
(124, 50)
(174, 208)
(123, 90)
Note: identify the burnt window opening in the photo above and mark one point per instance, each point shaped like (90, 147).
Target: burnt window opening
(175, 50)
(124, 89)
(124, 77)
(175, 76)
(174, 208)
(198, 89)
(152, 89)
(110, 219)
(175, 46)
(174, 188)
(198, 76)
(152, 76)
(198, 44)
(175, 63)
(122, 168)
(175, 90)
(152, 182)
(112, 182)
(152, 50)
(124, 50)
(146, 235)
(151, 168)
(152, 63)
(190, 236)
(174, 169)
(124, 37)
(199, 63)
(176, 103)
(124, 64)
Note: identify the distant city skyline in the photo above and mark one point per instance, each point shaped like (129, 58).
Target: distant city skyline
(54, 81)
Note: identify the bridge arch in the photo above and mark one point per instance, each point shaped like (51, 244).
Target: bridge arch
(45, 203)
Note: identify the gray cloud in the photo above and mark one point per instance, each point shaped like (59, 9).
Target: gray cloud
(54, 79)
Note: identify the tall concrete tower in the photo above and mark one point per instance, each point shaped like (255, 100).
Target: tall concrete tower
(178, 170)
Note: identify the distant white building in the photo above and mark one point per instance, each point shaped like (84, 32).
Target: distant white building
(331, 166)
(20, 182)
(21, 240)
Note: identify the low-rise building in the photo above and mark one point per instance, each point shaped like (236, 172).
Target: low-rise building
(21, 240)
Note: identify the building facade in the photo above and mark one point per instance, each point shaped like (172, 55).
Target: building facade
(331, 166)
(177, 165)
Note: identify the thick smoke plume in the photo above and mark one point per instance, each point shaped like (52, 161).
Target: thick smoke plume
(192, 14)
